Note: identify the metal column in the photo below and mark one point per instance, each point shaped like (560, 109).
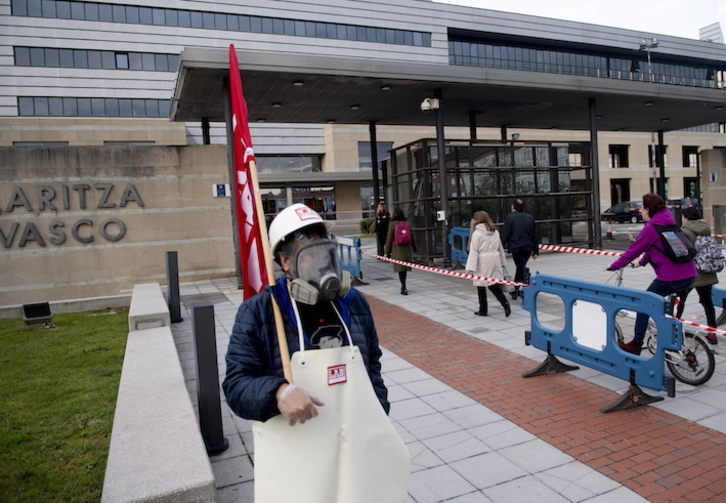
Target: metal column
(597, 227)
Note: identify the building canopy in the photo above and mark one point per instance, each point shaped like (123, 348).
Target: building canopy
(294, 88)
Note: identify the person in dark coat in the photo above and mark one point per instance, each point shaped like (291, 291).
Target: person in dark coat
(255, 386)
(403, 253)
(520, 237)
(693, 226)
(383, 219)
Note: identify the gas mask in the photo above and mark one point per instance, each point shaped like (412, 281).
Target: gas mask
(315, 271)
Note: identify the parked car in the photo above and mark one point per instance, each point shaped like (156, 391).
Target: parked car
(627, 211)
(684, 202)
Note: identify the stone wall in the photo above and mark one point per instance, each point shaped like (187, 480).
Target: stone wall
(79, 222)
(713, 188)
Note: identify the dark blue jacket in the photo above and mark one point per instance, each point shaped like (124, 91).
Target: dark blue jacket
(520, 233)
(254, 368)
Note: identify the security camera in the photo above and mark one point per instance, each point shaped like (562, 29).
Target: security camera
(429, 104)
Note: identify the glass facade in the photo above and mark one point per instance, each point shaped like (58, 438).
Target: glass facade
(50, 106)
(365, 162)
(488, 175)
(107, 60)
(288, 164)
(588, 64)
(135, 14)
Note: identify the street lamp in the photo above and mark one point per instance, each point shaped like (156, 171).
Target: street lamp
(647, 46)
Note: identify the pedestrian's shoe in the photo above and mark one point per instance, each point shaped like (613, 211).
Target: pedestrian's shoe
(507, 310)
(633, 346)
(711, 338)
(404, 291)
(480, 313)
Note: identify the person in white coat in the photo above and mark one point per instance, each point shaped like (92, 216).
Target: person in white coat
(487, 259)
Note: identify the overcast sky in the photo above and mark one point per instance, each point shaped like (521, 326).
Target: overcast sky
(680, 18)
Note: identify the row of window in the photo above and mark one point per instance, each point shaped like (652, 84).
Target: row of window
(92, 11)
(619, 156)
(83, 58)
(39, 106)
(570, 63)
(65, 143)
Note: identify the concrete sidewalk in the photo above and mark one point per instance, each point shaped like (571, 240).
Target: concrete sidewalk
(476, 430)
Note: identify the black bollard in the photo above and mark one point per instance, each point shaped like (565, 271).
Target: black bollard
(172, 282)
(210, 411)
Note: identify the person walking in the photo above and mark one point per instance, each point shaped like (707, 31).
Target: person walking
(670, 277)
(487, 258)
(400, 247)
(383, 219)
(693, 226)
(334, 388)
(521, 238)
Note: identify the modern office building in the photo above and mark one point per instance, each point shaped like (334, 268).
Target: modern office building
(94, 73)
(326, 79)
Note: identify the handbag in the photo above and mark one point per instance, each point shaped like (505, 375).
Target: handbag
(507, 277)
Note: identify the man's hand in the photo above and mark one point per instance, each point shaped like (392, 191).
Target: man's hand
(534, 256)
(296, 405)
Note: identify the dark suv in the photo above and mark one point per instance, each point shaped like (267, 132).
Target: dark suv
(627, 211)
(684, 202)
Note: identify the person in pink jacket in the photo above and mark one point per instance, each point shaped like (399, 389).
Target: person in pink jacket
(670, 277)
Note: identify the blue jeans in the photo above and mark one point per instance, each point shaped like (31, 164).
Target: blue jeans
(662, 288)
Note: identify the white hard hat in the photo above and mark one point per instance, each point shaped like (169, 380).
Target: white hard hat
(292, 219)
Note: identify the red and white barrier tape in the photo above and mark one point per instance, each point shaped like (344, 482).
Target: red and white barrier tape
(443, 271)
(586, 251)
(704, 328)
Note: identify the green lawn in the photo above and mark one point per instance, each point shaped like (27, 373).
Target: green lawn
(58, 390)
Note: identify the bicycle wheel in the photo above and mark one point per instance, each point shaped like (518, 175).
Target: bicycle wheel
(694, 363)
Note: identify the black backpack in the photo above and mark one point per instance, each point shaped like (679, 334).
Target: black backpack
(676, 245)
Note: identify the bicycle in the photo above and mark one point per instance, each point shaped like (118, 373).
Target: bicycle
(693, 364)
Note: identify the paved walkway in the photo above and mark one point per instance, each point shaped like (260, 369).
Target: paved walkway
(476, 430)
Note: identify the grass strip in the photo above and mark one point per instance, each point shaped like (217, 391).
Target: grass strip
(58, 389)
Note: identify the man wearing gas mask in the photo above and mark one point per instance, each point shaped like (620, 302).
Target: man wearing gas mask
(337, 397)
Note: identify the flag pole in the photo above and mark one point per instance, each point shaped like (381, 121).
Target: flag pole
(257, 247)
(267, 253)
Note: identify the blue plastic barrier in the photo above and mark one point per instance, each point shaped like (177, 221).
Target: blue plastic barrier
(588, 336)
(718, 296)
(349, 255)
(458, 236)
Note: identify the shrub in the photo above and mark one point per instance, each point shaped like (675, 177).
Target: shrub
(367, 226)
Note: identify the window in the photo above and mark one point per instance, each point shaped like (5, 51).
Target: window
(690, 157)
(40, 106)
(652, 161)
(160, 16)
(364, 154)
(288, 164)
(40, 144)
(124, 143)
(108, 60)
(22, 56)
(619, 156)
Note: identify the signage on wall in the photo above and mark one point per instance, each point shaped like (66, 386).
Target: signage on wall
(81, 196)
(220, 190)
(713, 177)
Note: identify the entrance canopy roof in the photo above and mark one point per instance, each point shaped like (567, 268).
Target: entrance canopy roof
(294, 88)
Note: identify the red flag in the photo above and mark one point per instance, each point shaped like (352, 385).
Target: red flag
(254, 272)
